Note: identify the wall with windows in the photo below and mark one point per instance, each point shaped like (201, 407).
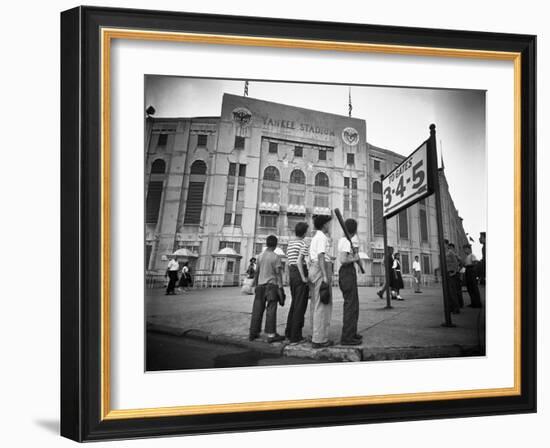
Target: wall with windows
(259, 169)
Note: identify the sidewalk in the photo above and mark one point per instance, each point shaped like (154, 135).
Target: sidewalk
(410, 330)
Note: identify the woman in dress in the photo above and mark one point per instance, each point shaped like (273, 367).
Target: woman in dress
(185, 279)
(251, 271)
(396, 280)
(247, 287)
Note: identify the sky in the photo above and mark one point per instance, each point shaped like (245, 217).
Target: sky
(397, 118)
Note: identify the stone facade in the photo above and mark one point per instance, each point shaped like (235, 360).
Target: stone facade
(227, 182)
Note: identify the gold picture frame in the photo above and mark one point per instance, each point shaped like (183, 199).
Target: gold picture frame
(108, 26)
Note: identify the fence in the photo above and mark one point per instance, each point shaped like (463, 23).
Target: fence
(201, 280)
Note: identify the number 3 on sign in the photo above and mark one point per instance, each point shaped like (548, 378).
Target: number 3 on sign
(387, 193)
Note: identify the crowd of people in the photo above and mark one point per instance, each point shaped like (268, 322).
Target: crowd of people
(178, 277)
(310, 277)
(392, 263)
(458, 269)
(310, 274)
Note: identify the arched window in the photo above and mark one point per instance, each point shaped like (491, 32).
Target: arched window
(270, 185)
(198, 167)
(158, 167)
(321, 180)
(377, 187)
(272, 173)
(297, 188)
(297, 177)
(197, 179)
(154, 191)
(321, 194)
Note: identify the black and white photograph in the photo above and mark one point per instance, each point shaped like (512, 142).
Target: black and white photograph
(302, 223)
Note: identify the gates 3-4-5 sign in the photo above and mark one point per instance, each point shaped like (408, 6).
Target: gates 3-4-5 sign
(409, 182)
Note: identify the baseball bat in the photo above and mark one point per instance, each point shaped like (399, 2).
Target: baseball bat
(346, 234)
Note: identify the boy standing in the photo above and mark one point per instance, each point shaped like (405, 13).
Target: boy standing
(347, 279)
(417, 272)
(320, 274)
(269, 284)
(298, 284)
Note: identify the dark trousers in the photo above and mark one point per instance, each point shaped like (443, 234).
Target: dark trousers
(300, 294)
(453, 282)
(417, 279)
(265, 299)
(347, 279)
(173, 276)
(459, 296)
(471, 285)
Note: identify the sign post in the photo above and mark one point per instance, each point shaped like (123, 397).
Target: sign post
(412, 180)
(386, 270)
(432, 149)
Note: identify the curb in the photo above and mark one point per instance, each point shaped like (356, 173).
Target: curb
(334, 353)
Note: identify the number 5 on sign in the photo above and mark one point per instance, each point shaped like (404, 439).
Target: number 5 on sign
(407, 183)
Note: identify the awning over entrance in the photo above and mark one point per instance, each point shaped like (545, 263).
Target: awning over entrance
(185, 253)
(227, 252)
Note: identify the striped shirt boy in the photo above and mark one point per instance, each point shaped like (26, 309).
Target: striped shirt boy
(295, 247)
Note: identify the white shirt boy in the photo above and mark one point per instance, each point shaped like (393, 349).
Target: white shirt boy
(319, 244)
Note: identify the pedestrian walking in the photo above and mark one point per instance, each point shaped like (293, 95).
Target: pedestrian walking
(251, 271)
(347, 280)
(172, 274)
(320, 275)
(185, 279)
(417, 273)
(453, 278)
(396, 279)
(461, 270)
(249, 280)
(482, 263)
(388, 263)
(299, 289)
(470, 262)
(268, 282)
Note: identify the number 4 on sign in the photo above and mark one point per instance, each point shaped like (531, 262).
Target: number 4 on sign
(400, 190)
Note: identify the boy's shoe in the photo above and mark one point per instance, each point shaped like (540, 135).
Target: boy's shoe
(400, 298)
(276, 338)
(352, 342)
(358, 336)
(321, 344)
(379, 294)
(251, 337)
(297, 341)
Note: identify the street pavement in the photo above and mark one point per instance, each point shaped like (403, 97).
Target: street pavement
(168, 352)
(410, 329)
